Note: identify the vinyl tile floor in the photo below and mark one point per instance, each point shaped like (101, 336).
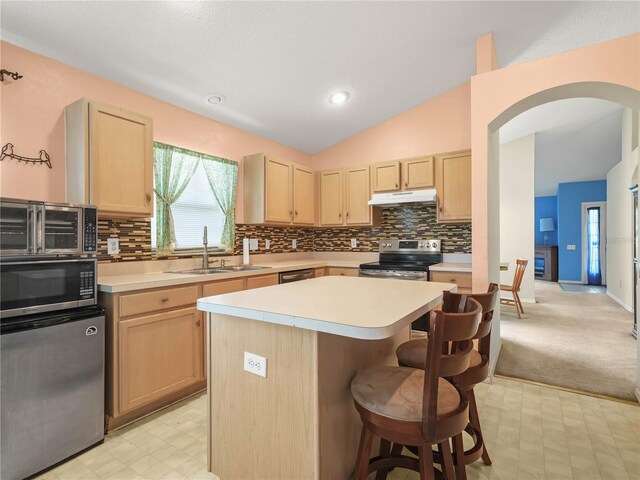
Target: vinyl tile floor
(531, 432)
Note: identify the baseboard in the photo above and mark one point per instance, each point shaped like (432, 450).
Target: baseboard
(528, 300)
(620, 302)
(579, 282)
(494, 362)
(638, 394)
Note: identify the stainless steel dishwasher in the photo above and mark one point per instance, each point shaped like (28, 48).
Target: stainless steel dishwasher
(296, 275)
(52, 388)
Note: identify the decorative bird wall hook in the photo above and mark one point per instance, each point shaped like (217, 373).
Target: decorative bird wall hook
(7, 151)
(14, 75)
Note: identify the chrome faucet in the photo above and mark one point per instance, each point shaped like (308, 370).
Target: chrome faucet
(205, 253)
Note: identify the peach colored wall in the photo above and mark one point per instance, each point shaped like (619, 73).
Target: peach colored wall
(32, 119)
(499, 95)
(440, 124)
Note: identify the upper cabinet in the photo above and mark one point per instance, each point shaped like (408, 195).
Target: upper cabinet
(385, 176)
(418, 172)
(343, 197)
(276, 191)
(453, 184)
(109, 154)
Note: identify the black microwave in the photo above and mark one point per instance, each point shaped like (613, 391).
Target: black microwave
(34, 286)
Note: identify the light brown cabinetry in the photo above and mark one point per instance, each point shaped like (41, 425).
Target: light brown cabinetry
(343, 197)
(385, 176)
(162, 354)
(262, 281)
(343, 271)
(453, 185)
(222, 287)
(277, 191)
(418, 172)
(331, 197)
(109, 159)
(461, 279)
(320, 272)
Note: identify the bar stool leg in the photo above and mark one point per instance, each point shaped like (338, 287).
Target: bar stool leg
(425, 460)
(447, 460)
(364, 453)
(458, 449)
(385, 451)
(474, 420)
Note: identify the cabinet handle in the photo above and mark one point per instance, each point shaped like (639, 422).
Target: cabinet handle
(347, 214)
(452, 280)
(148, 198)
(165, 299)
(198, 323)
(296, 213)
(406, 184)
(396, 185)
(339, 215)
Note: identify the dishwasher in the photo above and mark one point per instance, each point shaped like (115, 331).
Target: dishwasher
(296, 275)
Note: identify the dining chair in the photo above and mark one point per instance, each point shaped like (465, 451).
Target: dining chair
(514, 288)
(417, 408)
(411, 354)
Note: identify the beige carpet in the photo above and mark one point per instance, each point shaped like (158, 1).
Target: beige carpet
(574, 340)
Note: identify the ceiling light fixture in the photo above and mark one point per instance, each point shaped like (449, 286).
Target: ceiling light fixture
(214, 98)
(339, 97)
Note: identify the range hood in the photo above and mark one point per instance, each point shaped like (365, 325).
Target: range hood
(391, 199)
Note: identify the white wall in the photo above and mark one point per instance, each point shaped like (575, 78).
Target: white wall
(517, 203)
(620, 220)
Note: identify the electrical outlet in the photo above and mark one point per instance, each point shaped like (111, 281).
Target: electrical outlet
(294, 243)
(571, 247)
(253, 244)
(267, 244)
(354, 243)
(113, 246)
(255, 364)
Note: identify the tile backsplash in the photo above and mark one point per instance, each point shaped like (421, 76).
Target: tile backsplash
(414, 221)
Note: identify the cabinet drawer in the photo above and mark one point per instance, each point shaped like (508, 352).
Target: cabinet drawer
(461, 279)
(223, 286)
(345, 272)
(138, 303)
(262, 281)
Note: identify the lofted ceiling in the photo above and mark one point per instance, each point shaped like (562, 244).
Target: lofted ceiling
(577, 140)
(276, 63)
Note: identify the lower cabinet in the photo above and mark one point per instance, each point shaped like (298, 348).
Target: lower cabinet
(161, 353)
(320, 272)
(262, 281)
(461, 279)
(343, 271)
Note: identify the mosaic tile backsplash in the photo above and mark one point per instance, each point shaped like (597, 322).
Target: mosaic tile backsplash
(415, 221)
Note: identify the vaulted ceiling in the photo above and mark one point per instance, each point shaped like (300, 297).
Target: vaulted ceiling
(276, 63)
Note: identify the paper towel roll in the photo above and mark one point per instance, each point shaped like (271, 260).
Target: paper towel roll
(245, 251)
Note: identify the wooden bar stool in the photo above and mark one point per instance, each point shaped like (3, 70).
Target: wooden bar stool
(413, 407)
(514, 288)
(410, 354)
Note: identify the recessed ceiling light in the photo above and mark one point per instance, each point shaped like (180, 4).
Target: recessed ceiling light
(339, 97)
(214, 98)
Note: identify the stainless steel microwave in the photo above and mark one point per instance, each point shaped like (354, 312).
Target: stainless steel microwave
(42, 285)
(40, 228)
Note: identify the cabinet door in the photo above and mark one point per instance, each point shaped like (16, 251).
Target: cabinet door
(454, 188)
(385, 176)
(418, 173)
(357, 195)
(331, 197)
(262, 281)
(159, 355)
(303, 196)
(278, 191)
(121, 159)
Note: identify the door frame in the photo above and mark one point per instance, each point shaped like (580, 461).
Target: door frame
(603, 240)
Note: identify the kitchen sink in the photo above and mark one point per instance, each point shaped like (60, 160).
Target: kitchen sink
(207, 271)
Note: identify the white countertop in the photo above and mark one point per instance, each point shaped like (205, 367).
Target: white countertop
(356, 307)
(141, 281)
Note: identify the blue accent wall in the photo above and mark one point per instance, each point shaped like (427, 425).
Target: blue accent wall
(546, 207)
(570, 199)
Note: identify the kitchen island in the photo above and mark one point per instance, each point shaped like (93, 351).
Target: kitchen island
(299, 420)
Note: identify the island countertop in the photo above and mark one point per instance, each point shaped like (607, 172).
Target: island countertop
(356, 307)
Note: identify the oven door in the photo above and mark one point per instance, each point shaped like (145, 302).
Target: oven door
(17, 228)
(60, 230)
(394, 274)
(46, 285)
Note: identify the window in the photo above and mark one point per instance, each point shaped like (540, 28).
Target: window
(193, 190)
